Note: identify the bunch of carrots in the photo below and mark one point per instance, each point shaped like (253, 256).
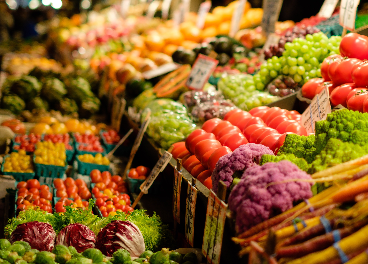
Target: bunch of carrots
(322, 229)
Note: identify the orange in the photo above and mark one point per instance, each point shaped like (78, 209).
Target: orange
(185, 26)
(244, 23)
(174, 36)
(41, 128)
(72, 125)
(170, 49)
(229, 11)
(59, 128)
(193, 34)
(154, 42)
(48, 120)
(209, 32)
(212, 20)
(187, 44)
(138, 42)
(218, 11)
(224, 28)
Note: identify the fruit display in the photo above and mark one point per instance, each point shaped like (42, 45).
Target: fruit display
(111, 136)
(23, 64)
(97, 159)
(59, 138)
(49, 153)
(18, 162)
(26, 142)
(70, 188)
(140, 173)
(104, 180)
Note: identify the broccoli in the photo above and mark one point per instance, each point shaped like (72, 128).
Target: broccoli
(300, 146)
(300, 162)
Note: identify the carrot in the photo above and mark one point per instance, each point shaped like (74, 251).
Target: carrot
(317, 243)
(350, 244)
(290, 230)
(361, 258)
(348, 192)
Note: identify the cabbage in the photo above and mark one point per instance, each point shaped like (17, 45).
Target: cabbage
(39, 235)
(78, 236)
(120, 234)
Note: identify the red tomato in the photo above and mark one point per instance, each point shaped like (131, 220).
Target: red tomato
(80, 183)
(354, 45)
(21, 184)
(193, 135)
(355, 102)
(231, 112)
(271, 141)
(225, 137)
(106, 176)
(247, 132)
(354, 92)
(69, 182)
(297, 129)
(204, 160)
(204, 175)
(326, 64)
(44, 187)
(95, 176)
(272, 114)
(208, 183)
(98, 195)
(343, 71)
(309, 88)
(216, 155)
(198, 139)
(197, 170)
(333, 64)
(142, 171)
(37, 202)
(100, 202)
(340, 93)
(112, 186)
(227, 130)
(191, 162)
(85, 194)
(261, 114)
(265, 134)
(365, 106)
(33, 183)
(132, 174)
(117, 179)
(85, 203)
(179, 150)
(59, 207)
(256, 133)
(282, 126)
(243, 122)
(221, 126)
(236, 140)
(280, 142)
(95, 190)
(360, 75)
(204, 146)
(72, 189)
(234, 118)
(209, 125)
(277, 120)
(257, 109)
(46, 195)
(34, 191)
(59, 183)
(323, 85)
(183, 154)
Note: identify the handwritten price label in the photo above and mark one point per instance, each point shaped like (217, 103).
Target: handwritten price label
(190, 213)
(271, 12)
(237, 15)
(318, 110)
(348, 10)
(327, 8)
(201, 72)
(166, 68)
(160, 166)
(176, 195)
(202, 12)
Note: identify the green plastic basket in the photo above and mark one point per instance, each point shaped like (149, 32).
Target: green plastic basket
(18, 176)
(50, 171)
(85, 168)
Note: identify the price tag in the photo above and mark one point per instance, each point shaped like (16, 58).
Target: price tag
(271, 12)
(237, 15)
(165, 9)
(176, 195)
(160, 166)
(201, 72)
(202, 12)
(190, 213)
(152, 9)
(163, 69)
(318, 110)
(348, 10)
(124, 8)
(327, 8)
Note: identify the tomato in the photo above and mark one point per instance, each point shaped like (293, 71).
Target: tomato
(180, 153)
(281, 128)
(21, 207)
(178, 149)
(85, 203)
(203, 176)
(69, 182)
(297, 129)
(326, 64)
(333, 64)
(204, 146)
(309, 88)
(354, 92)
(106, 176)
(72, 189)
(142, 171)
(344, 70)
(265, 134)
(355, 102)
(236, 140)
(193, 135)
(34, 191)
(132, 174)
(59, 207)
(254, 121)
(227, 130)
(44, 187)
(85, 194)
(204, 160)
(225, 137)
(234, 118)
(271, 141)
(95, 190)
(112, 185)
(197, 170)
(256, 133)
(115, 200)
(37, 202)
(277, 120)
(323, 85)
(243, 122)
(208, 183)
(257, 109)
(354, 45)
(198, 139)
(191, 162)
(80, 183)
(231, 112)
(117, 179)
(105, 214)
(221, 126)
(209, 125)
(95, 176)
(33, 183)
(100, 202)
(247, 132)
(340, 94)
(110, 208)
(21, 184)
(360, 75)
(59, 183)
(216, 155)
(46, 195)
(280, 142)
(15, 125)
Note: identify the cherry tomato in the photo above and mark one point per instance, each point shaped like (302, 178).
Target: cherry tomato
(236, 140)
(34, 191)
(193, 135)
(340, 94)
(85, 203)
(216, 155)
(95, 176)
(44, 187)
(21, 184)
(117, 179)
(112, 185)
(59, 207)
(326, 64)
(21, 207)
(355, 102)
(23, 190)
(59, 184)
(255, 110)
(95, 190)
(209, 125)
(72, 189)
(198, 139)
(119, 206)
(37, 202)
(354, 45)
(101, 186)
(80, 183)
(100, 202)
(344, 70)
(110, 208)
(85, 194)
(106, 177)
(46, 194)
(33, 183)
(142, 171)
(133, 174)
(69, 182)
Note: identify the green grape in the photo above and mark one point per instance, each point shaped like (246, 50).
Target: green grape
(257, 78)
(307, 67)
(285, 69)
(277, 66)
(286, 53)
(323, 43)
(313, 61)
(318, 72)
(317, 37)
(306, 56)
(330, 46)
(288, 46)
(309, 37)
(293, 53)
(263, 72)
(283, 60)
(292, 61)
(297, 78)
(301, 61)
(260, 86)
(263, 66)
(296, 46)
(316, 45)
(332, 53)
(263, 79)
(275, 59)
(248, 82)
(273, 73)
(324, 52)
(312, 73)
(251, 88)
(270, 66)
(304, 48)
(301, 70)
(293, 70)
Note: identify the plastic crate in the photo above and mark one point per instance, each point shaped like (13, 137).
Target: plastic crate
(122, 150)
(134, 185)
(50, 171)
(18, 176)
(85, 168)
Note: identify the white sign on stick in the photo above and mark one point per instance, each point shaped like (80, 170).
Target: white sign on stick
(348, 10)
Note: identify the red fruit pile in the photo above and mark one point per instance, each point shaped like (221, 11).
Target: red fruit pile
(94, 147)
(59, 138)
(140, 173)
(117, 203)
(111, 136)
(86, 138)
(70, 188)
(27, 142)
(104, 181)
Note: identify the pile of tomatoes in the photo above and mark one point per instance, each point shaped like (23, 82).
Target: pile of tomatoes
(32, 194)
(76, 203)
(140, 173)
(86, 138)
(117, 203)
(27, 142)
(111, 136)
(15, 125)
(104, 181)
(70, 188)
(59, 138)
(95, 147)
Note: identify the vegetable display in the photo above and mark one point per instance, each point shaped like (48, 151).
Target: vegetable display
(76, 235)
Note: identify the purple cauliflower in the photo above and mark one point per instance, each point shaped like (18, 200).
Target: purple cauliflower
(242, 158)
(253, 203)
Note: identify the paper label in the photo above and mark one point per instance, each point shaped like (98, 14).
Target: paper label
(318, 110)
(176, 195)
(190, 213)
(327, 8)
(237, 16)
(165, 9)
(208, 225)
(163, 69)
(348, 10)
(202, 12)
(160, 166)
(271, 12)
(201, 72)
(124, 8)
(152, 9)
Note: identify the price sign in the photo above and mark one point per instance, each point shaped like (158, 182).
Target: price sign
(176, 195)
(237, 15)
(318, 110)
(165, 9)
(327, 8)
(163, 69)
(190, 213)
(201, 72)
(348, 10)
(202, 12)
(152, 9)
(271, 12)
(124, 8)
(160, 166)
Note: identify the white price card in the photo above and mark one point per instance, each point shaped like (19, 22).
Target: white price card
(163, 69)
(271, 12)
(348, 10)
(165, 9)
(318, 110)
(327, 8)
(237, 16)
(124, 8)
(201, 72)
(202, 13)
(160, 166)
(190, 213)
(152, 9)
(176, 195)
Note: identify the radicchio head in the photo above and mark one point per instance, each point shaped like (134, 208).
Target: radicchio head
(78, 236)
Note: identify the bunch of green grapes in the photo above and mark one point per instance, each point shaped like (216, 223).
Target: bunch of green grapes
(301, 59)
